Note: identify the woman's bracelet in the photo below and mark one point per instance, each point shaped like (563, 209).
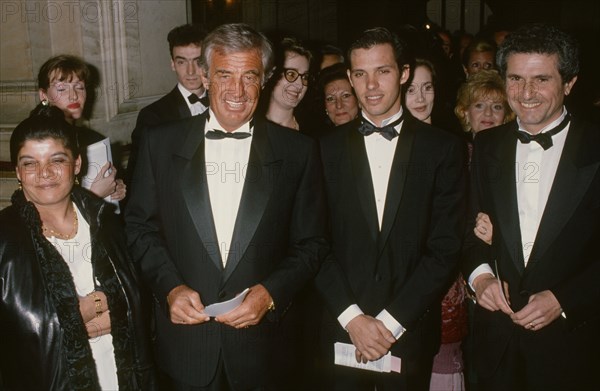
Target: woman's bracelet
(98, 303)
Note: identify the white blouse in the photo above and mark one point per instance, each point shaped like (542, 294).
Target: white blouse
(77, 253)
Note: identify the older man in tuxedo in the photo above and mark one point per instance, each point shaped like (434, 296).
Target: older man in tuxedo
(222, 202)
(538, 178)
(396, 194)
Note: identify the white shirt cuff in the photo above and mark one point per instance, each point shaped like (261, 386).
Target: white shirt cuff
(391, 324)
(481, 269)
(350, 313)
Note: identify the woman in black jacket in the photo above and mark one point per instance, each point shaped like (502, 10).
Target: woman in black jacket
(70, 308)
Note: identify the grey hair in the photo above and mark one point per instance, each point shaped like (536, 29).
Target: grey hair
(237, 37)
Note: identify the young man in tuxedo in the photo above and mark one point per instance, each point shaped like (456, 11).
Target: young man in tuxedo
(538, 179)
(188, 98)
(222, 202)
(396, 194)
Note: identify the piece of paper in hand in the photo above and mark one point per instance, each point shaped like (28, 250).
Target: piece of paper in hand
(344, 355)
(224, 307)
(98, 154)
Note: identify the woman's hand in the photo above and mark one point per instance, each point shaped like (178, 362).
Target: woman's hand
(88, 308)
(99, 326)
(104, 186)
(483, 228)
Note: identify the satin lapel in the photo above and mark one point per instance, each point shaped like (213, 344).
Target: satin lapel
(398, 174)
(500, 174)
(570, 184)
(258, 184)
(194, 187)
(363, 180)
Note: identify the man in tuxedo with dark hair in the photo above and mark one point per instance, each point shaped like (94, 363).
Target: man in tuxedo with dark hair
(538, 179)
(396, 194)
(188, 98)
(221, 202)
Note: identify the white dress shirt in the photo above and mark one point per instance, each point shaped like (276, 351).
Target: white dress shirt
(226, 164)
(196, 108)
(380, 153)
(77, 253)
(535, 172)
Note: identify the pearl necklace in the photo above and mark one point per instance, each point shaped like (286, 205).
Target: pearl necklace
(59, 235)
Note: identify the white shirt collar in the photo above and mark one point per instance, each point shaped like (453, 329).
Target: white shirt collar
(387, 120)
(549, 126)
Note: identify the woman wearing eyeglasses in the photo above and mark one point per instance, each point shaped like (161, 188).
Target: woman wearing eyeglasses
(289, 83)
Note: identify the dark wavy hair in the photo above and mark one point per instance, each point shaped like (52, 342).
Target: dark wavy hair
(184, 35)
(43, 123)
(542, 39)
(380, 36)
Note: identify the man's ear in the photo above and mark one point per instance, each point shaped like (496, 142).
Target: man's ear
(569, 85)
(405, 73)
(349, 78)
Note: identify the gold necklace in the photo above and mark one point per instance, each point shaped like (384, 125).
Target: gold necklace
(61, 235)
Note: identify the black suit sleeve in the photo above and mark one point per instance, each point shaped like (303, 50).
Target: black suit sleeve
(439, 258)
(144, 239)
(307, 244)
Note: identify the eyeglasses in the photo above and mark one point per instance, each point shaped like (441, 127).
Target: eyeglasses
(292, 75)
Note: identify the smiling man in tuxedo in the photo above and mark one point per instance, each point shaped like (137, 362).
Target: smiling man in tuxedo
(538, 179)
(222, 202)
(396, 194)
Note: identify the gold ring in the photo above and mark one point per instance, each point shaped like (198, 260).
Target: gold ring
(531, 325)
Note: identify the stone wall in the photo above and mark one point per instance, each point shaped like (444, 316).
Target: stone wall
(125, 40)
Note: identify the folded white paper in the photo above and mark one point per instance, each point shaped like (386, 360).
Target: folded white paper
(98, 154)
(344, 355)
(224, 307)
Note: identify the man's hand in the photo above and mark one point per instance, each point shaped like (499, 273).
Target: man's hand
(489, 295)
(370, 337)
(185, 306)
(251, 311)
(542, 309)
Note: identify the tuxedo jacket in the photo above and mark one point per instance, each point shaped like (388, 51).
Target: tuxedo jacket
(171, 107)
(565, 256)
(406, 267)
(278, 241)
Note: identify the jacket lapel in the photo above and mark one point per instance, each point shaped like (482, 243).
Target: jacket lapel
(573, 178)
(180, 104)
(500, 173)
(363, 180)
(258, 184)
(194, 187)
(398, 174)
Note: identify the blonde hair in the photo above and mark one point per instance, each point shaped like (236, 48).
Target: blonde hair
(486, 83)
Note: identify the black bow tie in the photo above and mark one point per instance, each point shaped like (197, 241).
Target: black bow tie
(193, 98)
(366, 128)
(220, 135)
(544, 139)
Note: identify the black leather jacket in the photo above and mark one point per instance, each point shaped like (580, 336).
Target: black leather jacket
(33, 352)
